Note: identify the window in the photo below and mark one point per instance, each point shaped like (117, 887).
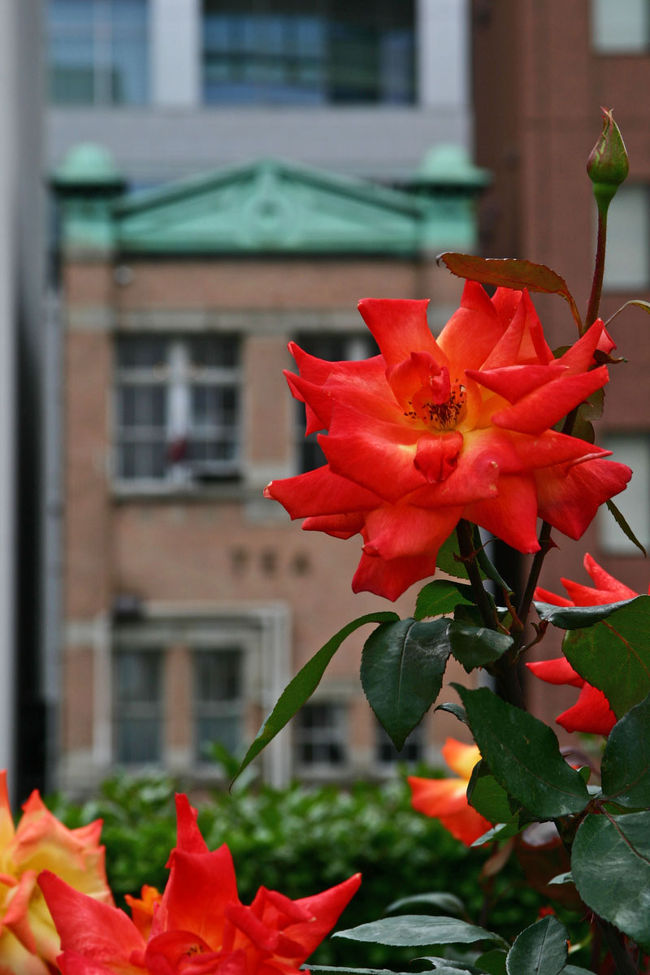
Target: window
(315, 52)
(387, 754)
(138, 706)
(218, 699)
(632, 449)
(333, 348)
(628, 240)
(321, 735)
(620, 26)
(98, 52)
(177, 408)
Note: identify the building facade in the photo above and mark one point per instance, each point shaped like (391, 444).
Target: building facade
(189, 599)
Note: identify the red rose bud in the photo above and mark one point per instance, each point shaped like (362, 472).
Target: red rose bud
(608, 164)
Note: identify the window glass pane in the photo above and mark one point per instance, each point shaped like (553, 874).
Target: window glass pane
(279, 51)
(620, 25)
(218, 699)
(213, 351)
(98, 51)
(141, 351)
(628, 239)
(387, 754)
(321, 734)
(634, 502)
(138, 706)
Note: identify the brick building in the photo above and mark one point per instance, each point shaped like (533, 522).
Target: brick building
(189, 600)
(536, 119)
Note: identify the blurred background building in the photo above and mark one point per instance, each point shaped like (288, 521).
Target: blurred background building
(341, 145)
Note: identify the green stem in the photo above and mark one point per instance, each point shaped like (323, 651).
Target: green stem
(464, 532)
(599, 268)
(533, 578)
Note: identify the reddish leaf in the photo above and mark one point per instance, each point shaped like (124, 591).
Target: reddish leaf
(510, 273)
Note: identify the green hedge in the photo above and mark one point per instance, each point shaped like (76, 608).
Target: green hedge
(300, 840)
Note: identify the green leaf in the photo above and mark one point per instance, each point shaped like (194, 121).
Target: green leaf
(614, 654)
(540, 949)
(622, 523)
(487, 796)
(562, 878)
(493, 962)
(523, 755)
(452, 708)
(575, 970)
(414, 930)
(644, 305)
(354, 971)
(449, 560)
(402, 666)
(476, 646)
(501, 831)
(510, 273)
(441, 596)
(626, 762)
(303, 685)
(451, 966)
(578, 617)
(448, 903)
(610, 863)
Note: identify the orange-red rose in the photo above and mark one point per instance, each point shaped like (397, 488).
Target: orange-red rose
(435, 430)
(198, 926)
(446, 799)
(591, 712)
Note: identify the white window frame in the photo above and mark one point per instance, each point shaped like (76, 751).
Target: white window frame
(177, 376)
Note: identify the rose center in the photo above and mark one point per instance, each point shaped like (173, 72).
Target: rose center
(428, 407)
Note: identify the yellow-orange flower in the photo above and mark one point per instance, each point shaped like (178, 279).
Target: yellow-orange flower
(446, 799)
(29, 943)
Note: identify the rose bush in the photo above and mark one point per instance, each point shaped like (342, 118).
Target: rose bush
(591, 713)
(29, 943)
(432, 431)
(198, 925)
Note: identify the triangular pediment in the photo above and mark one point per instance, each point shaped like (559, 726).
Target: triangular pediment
(270, 207)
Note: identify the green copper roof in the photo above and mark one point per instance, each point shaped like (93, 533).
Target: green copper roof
(450, 165)
(86, 165)
(265, 207)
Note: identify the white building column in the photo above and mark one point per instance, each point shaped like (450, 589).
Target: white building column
(443, 53)
(175, 53)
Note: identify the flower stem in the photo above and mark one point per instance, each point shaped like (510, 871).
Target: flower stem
(623, 961)
(465, 535)
(599, 269)
(545, 544)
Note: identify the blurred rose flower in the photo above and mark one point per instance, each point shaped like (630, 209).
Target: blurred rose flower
(446, 799)
(591, 712)
(198, 926)
(432, 431)
(29, 943)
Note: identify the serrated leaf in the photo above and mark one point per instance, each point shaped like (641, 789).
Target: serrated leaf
(622, 523)
(575, 970)
(402, 666)
(488, 796)
(415, 930)
(441, 596)
(578, 617)
(493, 962)
(446, 902)
(626, 763)
(303, 685)
(476, 646)
(610, 863)
(510, 273)
(523, 755)
(614, 654)
(540, 949)
(354, 971)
